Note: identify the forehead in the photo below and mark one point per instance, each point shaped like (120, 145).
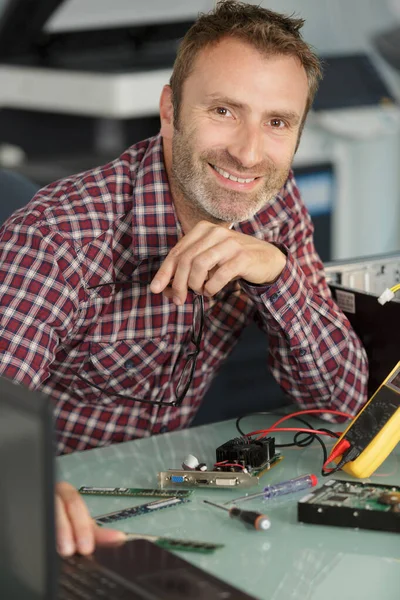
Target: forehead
(235, 68)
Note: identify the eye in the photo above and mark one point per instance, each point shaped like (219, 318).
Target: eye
(222, 111)
(277, 123)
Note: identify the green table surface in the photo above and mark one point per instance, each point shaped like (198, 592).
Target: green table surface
(289, 561)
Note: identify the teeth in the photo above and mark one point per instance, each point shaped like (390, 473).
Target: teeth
(232, 177)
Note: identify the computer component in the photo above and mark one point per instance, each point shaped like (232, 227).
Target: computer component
(177, 544)
(135, 511)
(356, 286)
(221, 478)
(86, 490)
(246, 451)
(352, 504)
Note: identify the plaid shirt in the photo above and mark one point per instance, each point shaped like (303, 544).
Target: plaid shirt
(67, 325)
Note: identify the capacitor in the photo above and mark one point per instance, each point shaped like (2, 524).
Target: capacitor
(190, 463)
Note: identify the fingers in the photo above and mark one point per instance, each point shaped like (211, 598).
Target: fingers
(76, 530)
(74, 525)
(108, 536)
(166, 272)
(190, 261)
(64, 534)
(208, 273)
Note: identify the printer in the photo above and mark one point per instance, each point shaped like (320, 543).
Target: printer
(356, 286)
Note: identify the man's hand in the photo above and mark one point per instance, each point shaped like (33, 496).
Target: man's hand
(210, 256)
(76, 530)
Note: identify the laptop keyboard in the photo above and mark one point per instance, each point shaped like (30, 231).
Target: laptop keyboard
(81, 580)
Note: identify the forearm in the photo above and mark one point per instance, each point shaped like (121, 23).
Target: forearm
(314, 354)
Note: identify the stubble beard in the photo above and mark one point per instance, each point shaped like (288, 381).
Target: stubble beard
(211, 201)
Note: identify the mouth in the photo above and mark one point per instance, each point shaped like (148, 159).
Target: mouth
(234, 181)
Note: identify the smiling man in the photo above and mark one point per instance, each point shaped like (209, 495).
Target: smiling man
(124, 289)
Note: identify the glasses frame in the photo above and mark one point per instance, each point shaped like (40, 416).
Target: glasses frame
(191, 357)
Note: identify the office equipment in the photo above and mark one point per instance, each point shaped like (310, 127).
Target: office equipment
(347, 504)
(109, 72)
(30, 568)
(253, 519)
(356, 285)
(373, 433)
(388, 45)
(351, 81)
(284, 487)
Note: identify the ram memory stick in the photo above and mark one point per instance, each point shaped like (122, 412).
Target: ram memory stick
(177, 544)
(135, 511)
(123, 491)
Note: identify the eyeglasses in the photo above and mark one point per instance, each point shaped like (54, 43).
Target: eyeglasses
(189, 368)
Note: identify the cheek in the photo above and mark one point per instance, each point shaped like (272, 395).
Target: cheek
(280, 150)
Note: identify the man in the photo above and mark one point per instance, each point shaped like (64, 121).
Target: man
(104, 275)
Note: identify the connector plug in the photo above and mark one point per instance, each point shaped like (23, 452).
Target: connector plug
(350, 455)
(386, 296)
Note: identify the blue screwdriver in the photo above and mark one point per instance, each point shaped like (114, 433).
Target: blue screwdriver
(279, 489)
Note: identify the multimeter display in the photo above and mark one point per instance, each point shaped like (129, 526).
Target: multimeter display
(375, 431)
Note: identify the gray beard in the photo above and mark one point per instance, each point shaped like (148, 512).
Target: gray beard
(207, 198)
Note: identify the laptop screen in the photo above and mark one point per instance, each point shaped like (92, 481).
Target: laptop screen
(26, 495)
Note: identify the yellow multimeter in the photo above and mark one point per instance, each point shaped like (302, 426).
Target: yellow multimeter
(375, 431)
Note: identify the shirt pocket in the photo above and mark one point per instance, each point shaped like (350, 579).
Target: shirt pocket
(118, 373)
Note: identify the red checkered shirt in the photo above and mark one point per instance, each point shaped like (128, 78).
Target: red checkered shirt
(65, 324)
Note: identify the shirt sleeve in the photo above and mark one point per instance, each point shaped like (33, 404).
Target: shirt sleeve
(38, 300)
(314, 354)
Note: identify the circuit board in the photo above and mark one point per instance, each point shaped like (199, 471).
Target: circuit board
(177, 544)
(142, 509)
(135, 492)
(348, 504)
(218, 478)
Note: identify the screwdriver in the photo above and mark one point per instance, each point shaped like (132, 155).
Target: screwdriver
(279, 489)
(249, 517)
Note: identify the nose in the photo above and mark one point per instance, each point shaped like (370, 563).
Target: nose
(248, 145)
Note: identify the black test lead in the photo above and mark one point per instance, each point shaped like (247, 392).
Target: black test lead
(255, 519)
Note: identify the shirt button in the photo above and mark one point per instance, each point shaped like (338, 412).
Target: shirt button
(129, 364)
(302, 352)
(274, 297)
(164, 429)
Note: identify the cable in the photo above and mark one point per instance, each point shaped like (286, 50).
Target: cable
(338, 450)
(302, 439)
(225, 463)
(388, 294)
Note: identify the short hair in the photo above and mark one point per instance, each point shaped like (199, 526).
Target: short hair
(269, 32)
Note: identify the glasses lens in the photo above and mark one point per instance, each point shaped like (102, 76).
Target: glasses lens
(198, 319)
(186, 377)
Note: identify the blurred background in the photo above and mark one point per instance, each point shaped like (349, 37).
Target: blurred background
(80, 81)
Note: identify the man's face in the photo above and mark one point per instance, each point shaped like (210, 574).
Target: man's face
(239, 122)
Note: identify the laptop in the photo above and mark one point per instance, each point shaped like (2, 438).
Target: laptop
(30, 568)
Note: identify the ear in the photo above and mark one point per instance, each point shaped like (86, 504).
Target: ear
(166, 113)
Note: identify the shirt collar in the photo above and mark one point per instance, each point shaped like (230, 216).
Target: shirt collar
(155, 226)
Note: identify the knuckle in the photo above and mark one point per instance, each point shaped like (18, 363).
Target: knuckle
(200, 262)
